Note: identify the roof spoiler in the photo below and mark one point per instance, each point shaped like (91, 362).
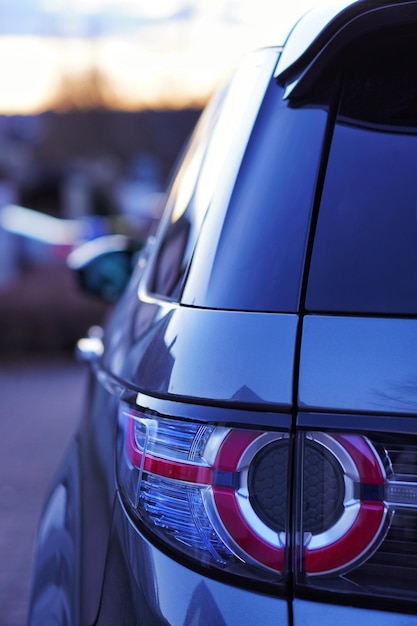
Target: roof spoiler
(322, 33)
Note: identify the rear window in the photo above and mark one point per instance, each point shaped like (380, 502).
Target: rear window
(365, 248)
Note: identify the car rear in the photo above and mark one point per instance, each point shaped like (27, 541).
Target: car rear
(262, 360)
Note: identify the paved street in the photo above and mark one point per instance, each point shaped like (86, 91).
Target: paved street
(40, 407)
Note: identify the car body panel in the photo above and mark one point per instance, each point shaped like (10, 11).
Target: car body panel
(58, 555)
(248, 357)
(320, 35)
(173, 594)
(358, 364)
(305, 33)
(305, 612)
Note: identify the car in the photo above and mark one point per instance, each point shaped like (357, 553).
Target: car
(248, 452)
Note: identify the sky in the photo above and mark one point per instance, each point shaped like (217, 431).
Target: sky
(138, 53)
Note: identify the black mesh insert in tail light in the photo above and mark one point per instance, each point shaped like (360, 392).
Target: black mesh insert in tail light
(323, 489)
(268, 485)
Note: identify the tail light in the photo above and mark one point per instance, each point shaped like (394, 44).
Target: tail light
(216, 496)
(356, 516)
(240, 501)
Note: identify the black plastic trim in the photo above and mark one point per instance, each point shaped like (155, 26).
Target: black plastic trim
(354, 422)
(360, 18)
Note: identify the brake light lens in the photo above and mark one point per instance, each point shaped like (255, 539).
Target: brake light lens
(356, 516)
(337, 509)
(215, 495)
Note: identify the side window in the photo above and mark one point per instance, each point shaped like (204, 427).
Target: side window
(182, 218)
(211, 160)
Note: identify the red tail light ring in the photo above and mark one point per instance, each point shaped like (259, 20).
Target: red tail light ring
(360, 526)
(234, 507)
(233, 499)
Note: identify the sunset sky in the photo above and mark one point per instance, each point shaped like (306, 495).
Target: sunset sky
(146, 53)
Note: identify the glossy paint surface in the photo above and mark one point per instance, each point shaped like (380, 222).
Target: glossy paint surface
(359, 364)
(328, 615)
(227, 356)
(177, 595)
(55, 593)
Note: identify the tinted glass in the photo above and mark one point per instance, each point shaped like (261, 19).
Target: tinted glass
(209, 168)
(250, 254)
(183, 217)
(365, 249)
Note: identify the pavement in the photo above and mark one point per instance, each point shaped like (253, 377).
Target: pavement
(41, 398)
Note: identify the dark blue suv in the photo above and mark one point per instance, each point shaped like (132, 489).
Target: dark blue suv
(249, 448)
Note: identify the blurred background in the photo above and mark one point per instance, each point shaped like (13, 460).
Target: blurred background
(97, 98)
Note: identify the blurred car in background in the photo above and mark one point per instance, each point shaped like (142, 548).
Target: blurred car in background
(248, 452)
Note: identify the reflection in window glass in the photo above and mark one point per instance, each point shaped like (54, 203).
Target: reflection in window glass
(210, 166)
(365, 250)
(170, 264)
